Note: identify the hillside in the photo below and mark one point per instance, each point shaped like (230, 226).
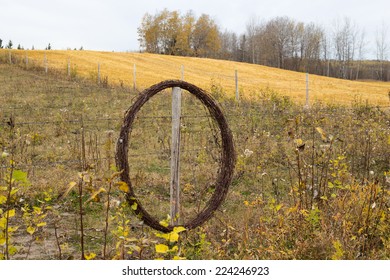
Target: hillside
(152, 68)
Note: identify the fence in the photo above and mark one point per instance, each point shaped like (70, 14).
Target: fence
(99, 122)
(301, 87)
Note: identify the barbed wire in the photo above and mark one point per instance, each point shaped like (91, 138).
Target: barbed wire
(43, 163)
(118, 120)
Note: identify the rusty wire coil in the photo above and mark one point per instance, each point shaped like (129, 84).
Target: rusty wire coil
(227, 162)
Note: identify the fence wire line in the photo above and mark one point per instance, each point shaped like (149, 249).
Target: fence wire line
(21, 59)
(43, 163)
(243, 114)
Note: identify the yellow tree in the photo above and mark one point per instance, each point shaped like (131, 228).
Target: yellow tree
(206, 41)
(148, 34)
(183, 44)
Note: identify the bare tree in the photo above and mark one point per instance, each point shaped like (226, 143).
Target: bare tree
(361, 48)
(344, 38)
(254, 28)
(382, 49)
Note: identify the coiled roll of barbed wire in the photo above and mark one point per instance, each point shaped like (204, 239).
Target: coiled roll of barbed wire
(227, 160)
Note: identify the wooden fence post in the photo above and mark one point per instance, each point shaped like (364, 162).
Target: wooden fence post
(175, 157)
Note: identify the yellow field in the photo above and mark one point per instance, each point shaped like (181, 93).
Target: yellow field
(152, 68)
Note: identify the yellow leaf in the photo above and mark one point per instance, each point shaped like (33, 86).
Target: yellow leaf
(90, 256)
(31, 230)
(14, 191)
(177, 258)
(173, 237)
(179, 229)
(70, 187)
(174, 249)
(161, 248)
(324, 137)
(164, 223)
(134, 206)
(166, 236)
(95, 194)
(338, 250)
(2, 241)
(3, 199)
(37, 210)
(41, 224)
(10, 213)
(116, 174)
(3, 222)
(298, 142)
(12, 229)
(123, 186)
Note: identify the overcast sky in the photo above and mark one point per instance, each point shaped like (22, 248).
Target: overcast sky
(112, 25)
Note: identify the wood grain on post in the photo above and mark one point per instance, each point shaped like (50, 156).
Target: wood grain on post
(175, 157)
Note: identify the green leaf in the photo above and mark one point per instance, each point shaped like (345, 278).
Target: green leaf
(12, 250)
(20, 176)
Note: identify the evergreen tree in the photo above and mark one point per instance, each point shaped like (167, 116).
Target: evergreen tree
(10, 44)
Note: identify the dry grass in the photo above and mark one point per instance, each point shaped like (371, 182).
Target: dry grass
(327, 199)
(152, 68)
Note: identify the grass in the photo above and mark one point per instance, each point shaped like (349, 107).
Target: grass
(117, 68)
(309, 184)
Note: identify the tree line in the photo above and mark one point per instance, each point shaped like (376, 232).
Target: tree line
(279, 42)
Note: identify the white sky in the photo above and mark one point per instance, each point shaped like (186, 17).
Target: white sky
(111, 25)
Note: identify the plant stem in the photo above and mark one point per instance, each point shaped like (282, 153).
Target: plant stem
(81, 218)
(8, 208)
(106, 222)
(58, 241)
